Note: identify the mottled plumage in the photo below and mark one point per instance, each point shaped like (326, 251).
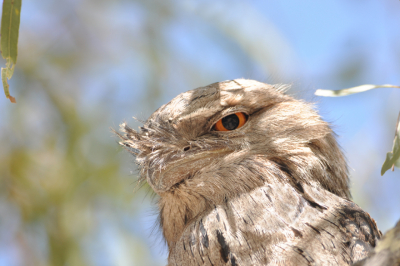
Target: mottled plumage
(387, 252)
(272, 192)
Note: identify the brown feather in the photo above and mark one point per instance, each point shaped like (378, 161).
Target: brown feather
(274, 191)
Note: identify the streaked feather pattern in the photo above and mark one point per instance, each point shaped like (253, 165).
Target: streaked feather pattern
(273, 192)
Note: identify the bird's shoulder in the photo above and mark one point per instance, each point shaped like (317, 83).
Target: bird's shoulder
(278, 225)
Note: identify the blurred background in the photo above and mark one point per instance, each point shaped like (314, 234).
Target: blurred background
(84, 66)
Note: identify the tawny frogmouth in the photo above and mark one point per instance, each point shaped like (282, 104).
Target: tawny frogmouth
(248, 175)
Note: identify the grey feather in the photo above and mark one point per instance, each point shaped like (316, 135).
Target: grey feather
(272, 192)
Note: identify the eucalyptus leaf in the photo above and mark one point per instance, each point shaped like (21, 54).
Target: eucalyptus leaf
(10, 18)
(397, 163)
(393, 157)
(344, 92)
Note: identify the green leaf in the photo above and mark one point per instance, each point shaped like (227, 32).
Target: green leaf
(9, 40)
(393, 157)
(344, 92)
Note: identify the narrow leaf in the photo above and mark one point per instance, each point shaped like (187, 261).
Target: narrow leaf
(9, 40)
(387, 163)
(4, 75)
(393, 157)
(344, 92)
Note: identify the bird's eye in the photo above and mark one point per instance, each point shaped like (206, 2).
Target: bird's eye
(231, 122)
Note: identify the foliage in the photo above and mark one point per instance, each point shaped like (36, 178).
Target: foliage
(392, 157)
(9, 40)
(349, 91)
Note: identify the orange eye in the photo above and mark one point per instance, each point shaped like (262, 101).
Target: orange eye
(231, 122)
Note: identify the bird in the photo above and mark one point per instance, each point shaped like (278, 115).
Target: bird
(248, 175)
(386, 252)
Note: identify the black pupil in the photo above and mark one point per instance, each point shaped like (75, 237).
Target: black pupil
(230, 122)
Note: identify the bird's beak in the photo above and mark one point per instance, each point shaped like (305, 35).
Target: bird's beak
(178, 170)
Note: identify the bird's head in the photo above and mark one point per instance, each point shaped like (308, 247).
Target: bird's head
(236, 135)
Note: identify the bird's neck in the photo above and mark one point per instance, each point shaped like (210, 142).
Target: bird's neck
(211, 187)
(215, 186)
(177, 209)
